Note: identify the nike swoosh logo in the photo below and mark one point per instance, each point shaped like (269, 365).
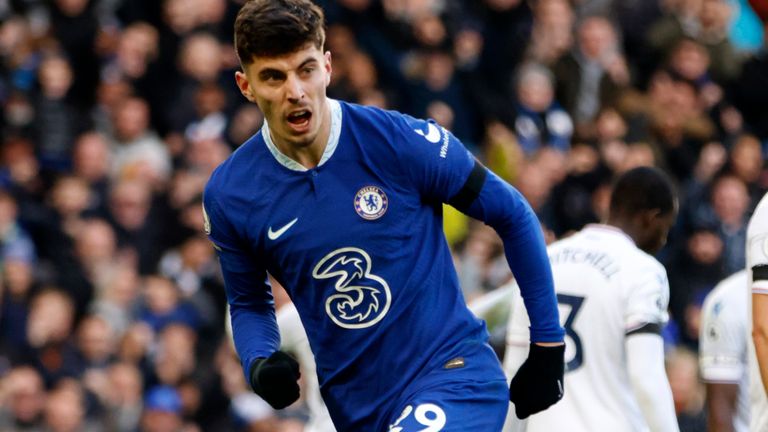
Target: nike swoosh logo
(273, 235)
(433, 133)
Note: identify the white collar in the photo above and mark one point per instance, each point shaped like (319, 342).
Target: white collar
(330, 147)
(609, 230)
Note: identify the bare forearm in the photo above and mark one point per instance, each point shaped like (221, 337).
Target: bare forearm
(721, 406)
(719, 424)
(760, 334)
(760, 338)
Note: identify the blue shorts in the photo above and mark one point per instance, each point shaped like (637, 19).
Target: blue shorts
(472, 395)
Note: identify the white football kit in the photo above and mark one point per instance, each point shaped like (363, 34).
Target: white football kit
(757, 254)
(293, 338)
(607, 289)
(723, 341)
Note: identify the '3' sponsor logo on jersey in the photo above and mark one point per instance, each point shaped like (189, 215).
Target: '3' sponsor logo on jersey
(361, 298)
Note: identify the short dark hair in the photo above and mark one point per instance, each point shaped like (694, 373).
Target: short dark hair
(641, 189)
(270, 28)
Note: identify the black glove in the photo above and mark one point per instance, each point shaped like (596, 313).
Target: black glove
(274, 379)
(538, 384)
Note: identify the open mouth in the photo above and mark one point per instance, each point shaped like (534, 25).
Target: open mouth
(299, 119)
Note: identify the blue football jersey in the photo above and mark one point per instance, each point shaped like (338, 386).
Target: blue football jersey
(358, 244)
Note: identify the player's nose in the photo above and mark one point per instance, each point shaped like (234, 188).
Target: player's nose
(294, 89)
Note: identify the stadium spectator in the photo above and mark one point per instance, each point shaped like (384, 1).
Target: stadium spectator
(50, 347)
(74, 25)
(130, 212)
(15, 242)
(163, 305)
(438, 93)
(91, 162)
(57, 120)
(122, 397)
(705, 21)
(117, 297)
(162, 410)
(552, 35)
(136, 48)
(65, 409)
(540, 121)
(746, 162)
(694, 269)
(23, 400)
(138, 151)
(730, 203)
(19, 286)
(505, 28)
(592, 74)
(96, 344)
(571, 203)
(200, 63)
(93, 256)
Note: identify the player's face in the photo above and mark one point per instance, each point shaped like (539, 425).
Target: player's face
(290, 91)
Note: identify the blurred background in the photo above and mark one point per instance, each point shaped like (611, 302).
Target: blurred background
(115, 112)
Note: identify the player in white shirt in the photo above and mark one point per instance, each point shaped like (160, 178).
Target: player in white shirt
(613, 297)
(294, 339)
(723, 355)
(757, 268)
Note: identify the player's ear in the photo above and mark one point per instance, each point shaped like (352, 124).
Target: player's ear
(650, 217)
(328, 68)
(647, 217)
(242, 83)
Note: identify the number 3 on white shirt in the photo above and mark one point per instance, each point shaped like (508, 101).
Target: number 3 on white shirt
(574, 302)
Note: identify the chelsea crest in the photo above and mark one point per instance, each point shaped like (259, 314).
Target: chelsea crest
(371, 203)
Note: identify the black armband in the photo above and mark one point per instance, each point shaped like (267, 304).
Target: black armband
(653, 328)
(471, 188)
(760, 272)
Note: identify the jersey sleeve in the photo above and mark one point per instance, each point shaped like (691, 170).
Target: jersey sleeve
(249, 295)
(757, 248)
(443, 169)
(722, 342)
(646, 300)
(434, 160)
(503, 207)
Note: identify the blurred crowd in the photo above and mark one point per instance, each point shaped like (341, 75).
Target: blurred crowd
(115, 112)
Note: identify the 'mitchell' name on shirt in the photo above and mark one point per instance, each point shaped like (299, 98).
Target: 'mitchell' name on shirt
(599, 260)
